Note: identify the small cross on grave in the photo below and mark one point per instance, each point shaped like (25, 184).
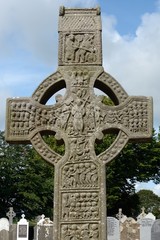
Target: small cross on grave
(143, 212)
(119, 215)
(11, 214)
(79, 118)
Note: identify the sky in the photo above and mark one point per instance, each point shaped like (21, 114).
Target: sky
(131, 47)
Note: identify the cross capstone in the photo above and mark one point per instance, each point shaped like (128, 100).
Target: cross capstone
(79, 118)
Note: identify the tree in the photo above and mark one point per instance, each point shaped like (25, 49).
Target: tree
(150, 201)
(136, 162)
(26, 181)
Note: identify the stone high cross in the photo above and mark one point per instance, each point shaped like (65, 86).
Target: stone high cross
(79, 118)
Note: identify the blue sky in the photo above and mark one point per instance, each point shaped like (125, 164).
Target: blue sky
(29, 40)
(128, 13)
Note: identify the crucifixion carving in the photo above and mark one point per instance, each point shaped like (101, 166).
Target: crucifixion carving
(79, 118)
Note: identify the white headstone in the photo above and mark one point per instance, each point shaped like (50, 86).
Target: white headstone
(4, 224)
(22, 229)
(145, 228)
(141, 215)
(151, 216)
(4, 229)
(113, 230)
(155, 231)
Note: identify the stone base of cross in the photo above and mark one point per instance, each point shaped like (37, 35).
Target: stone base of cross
(79, 118)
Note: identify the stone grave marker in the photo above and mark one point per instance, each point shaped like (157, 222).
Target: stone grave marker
(141, 215)
(130, 230)
(13, 232)
(44, 229)
(150, 216)
(4, 229)
(23, 229)
(11, 214)
(145, 228)
(113, 230)
(79, 118)
(120, 216)
(155, 231)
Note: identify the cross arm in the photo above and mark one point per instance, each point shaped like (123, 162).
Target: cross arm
(25, 118)
(133, 117)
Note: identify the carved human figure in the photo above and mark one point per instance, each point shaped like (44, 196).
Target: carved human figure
(70, 48)
(86, 51)
(65, 114)
(78, 113)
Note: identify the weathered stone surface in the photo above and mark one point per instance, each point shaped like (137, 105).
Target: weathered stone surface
(155, 231)
(11, 214)
(79, 118)
(145, 228)
(130, 230)
(13, 232)
(43, 229)
(113, 228)
(4, 229)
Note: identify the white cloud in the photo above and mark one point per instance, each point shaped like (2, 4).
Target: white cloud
(134, 60)
(32, 26)
(156, 189)
(148, 186)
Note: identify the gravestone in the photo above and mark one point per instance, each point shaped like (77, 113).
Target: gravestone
(23, 229)
(13, 232)
(79, 118)
(155, 231)
(120, 216)
(4, 229)
(150, 216)
(11, 214)
(113, 229)
(44, 229)
(141, 215)
(130, 230)
(145, 228)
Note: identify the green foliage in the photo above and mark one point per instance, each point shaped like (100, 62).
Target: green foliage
(57, 146)
(26, 181)
(150, 201)
(136, 162)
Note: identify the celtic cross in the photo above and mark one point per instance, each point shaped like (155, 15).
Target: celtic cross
(11, 214)
(79, 118)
